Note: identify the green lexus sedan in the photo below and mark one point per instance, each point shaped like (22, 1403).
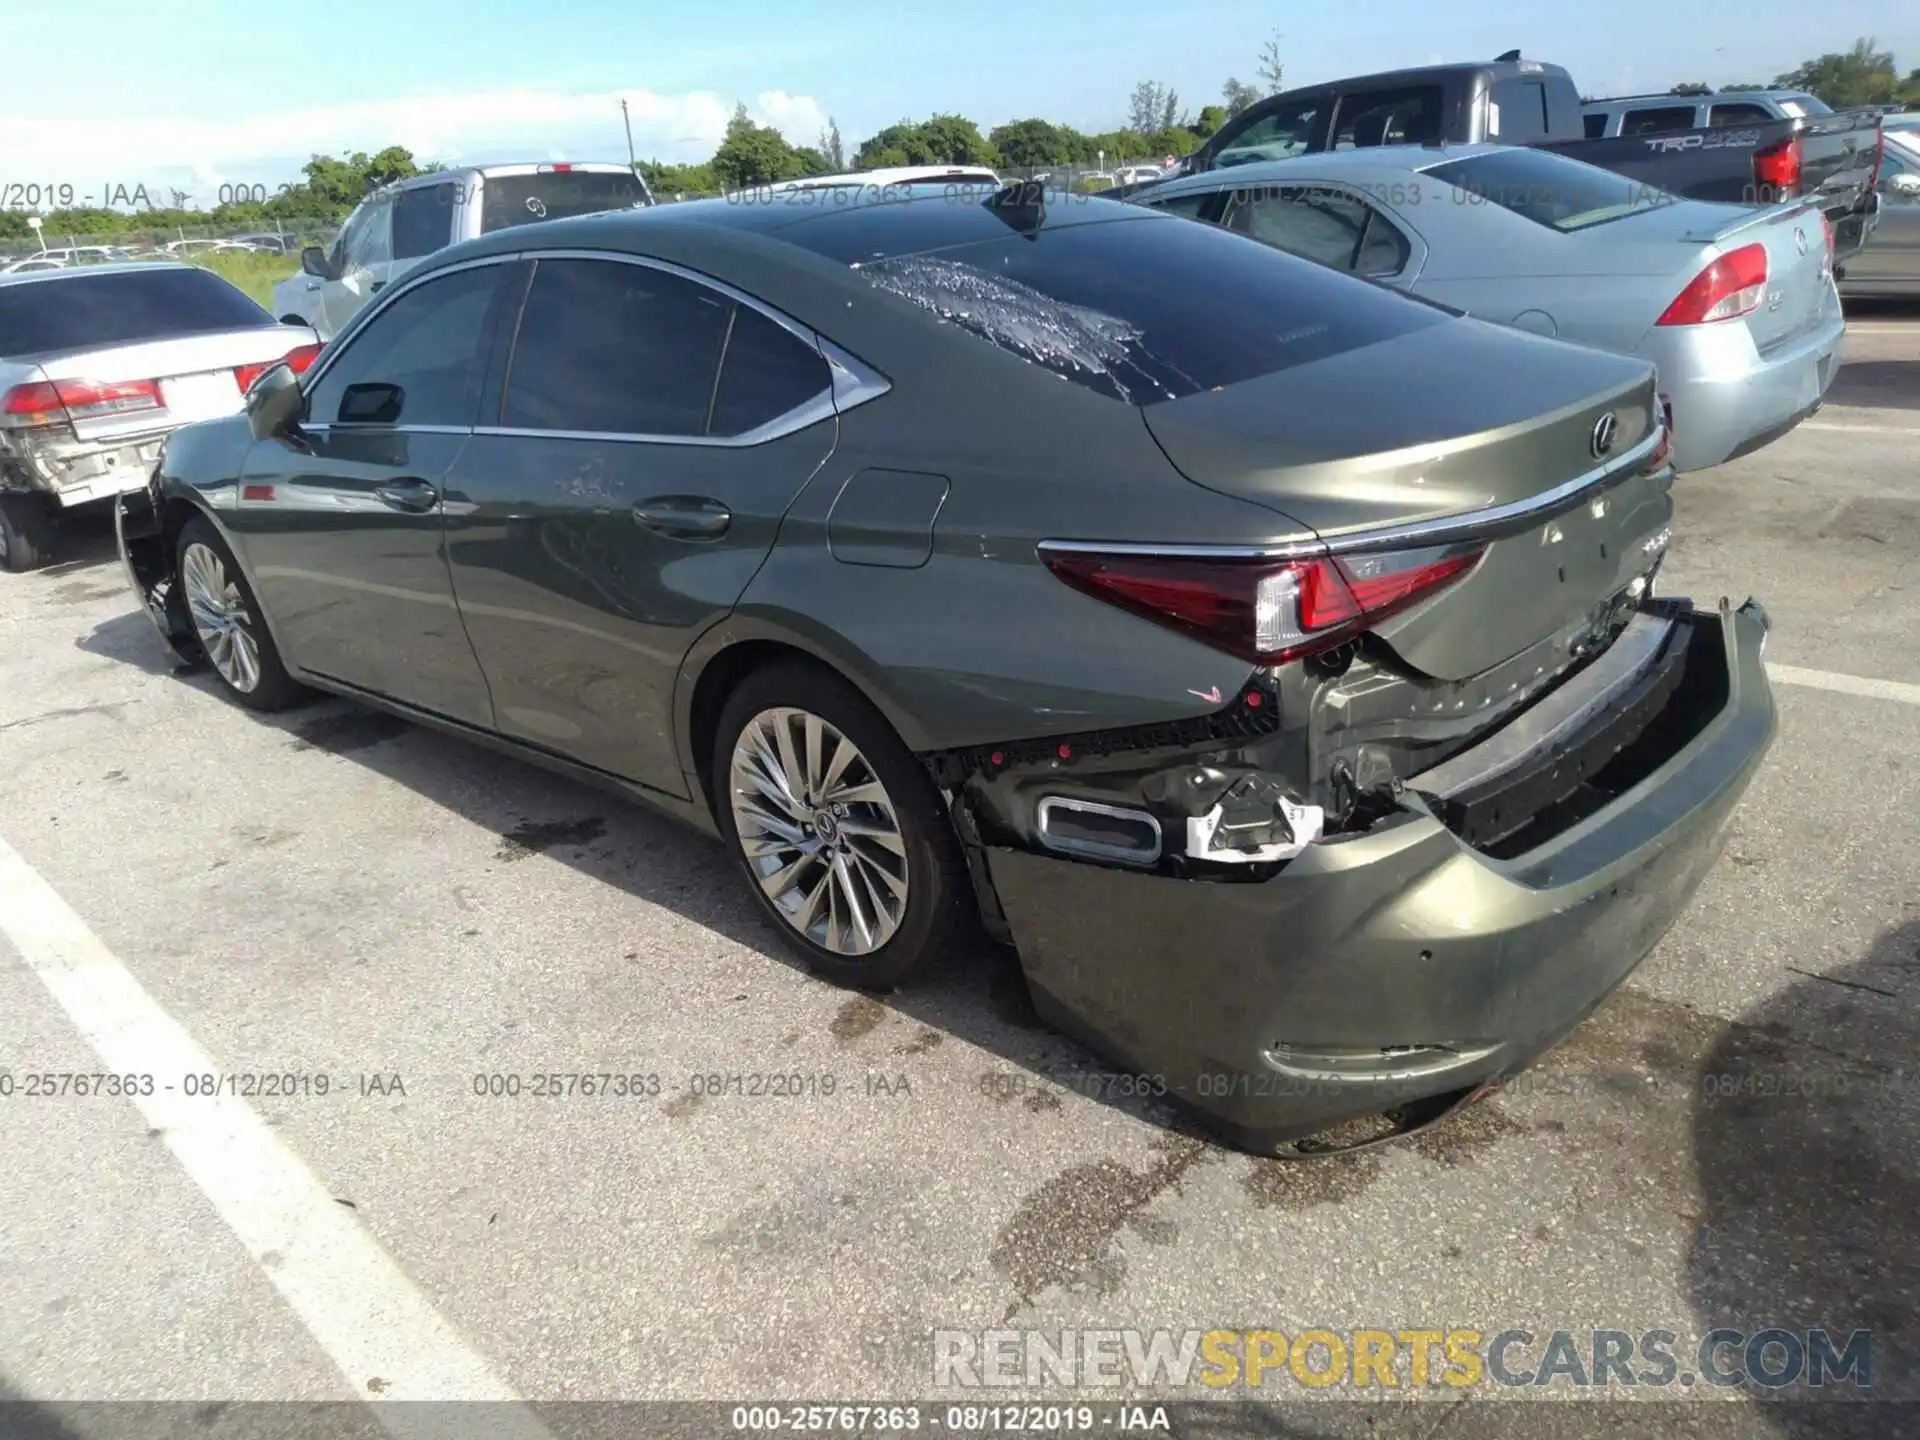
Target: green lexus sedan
(1273, 660)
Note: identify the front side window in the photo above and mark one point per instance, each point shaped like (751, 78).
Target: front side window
(1745, 113)
(423, 220)
(428, 345)
(609, 348)
(1187, 207)
(1288, 130)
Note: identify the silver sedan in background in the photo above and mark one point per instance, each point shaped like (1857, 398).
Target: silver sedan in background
(1735, 304)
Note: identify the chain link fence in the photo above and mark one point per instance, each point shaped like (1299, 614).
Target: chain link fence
(283, 237)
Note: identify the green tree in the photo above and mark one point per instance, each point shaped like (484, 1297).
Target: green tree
(1029, 144)
(1238, 95)
(1271, 71)
(1863, 75)
(939, 140)
(755, 154)
(1210, 120)
(1152, 107)
(1693, 87)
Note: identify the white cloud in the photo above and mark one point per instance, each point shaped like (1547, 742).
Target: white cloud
(201, 154)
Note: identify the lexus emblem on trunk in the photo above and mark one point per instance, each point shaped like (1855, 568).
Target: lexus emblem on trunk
(1603, 429)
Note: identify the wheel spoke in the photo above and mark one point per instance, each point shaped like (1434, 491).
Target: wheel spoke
(803, 918)
(879, 834)
(872, 792)
(896, 884)
(811, 776)
(790, 770)
(843, 755)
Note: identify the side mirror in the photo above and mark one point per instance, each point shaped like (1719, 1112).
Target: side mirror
(313, 260)
(374, 403)
(274, 403)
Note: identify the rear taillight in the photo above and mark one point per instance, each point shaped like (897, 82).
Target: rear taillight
(1776, 169)
(1727, 289)
(1663, 447)
(59, 402)
(1268, 612)
(298, 360)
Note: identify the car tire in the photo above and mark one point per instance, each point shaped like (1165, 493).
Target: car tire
(896, 864)
(26, 531)
(226, 621)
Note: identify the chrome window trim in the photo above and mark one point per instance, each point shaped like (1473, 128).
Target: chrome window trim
(851, 381)
(1465, 525)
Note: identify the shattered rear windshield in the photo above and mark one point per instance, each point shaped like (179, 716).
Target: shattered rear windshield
(1147, 310)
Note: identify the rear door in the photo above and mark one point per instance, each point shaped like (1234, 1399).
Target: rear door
(653, 431)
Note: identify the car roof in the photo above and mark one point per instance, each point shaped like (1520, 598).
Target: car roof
(1363, 160)
(126, 267)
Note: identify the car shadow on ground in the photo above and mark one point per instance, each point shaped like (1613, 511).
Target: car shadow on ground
(1877, 385)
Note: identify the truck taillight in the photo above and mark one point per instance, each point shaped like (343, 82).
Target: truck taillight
(1776, 170)
(1727, 289)
(298, 360)
(1265, 611)
(58, 402)
(556, 169)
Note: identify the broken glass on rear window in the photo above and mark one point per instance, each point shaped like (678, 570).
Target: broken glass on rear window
(1146, 309)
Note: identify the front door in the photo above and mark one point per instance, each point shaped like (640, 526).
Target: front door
(342, 520)
(361, 269)
(654, 432)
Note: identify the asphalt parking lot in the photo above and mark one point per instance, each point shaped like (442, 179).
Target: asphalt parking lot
(1733, 1140)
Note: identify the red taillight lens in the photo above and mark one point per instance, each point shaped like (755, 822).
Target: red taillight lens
(55, 402)
(1268, 612)
(556, 169)
(299, 360)
(1728, 288)
(1776, 169)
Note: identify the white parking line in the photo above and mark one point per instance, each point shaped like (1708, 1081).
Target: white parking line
(349, 1293)
(1844, 684)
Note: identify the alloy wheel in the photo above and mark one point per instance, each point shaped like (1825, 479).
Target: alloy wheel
(220, 617)
(819, 831)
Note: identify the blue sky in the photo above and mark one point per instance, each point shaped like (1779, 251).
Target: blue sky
(196, 93)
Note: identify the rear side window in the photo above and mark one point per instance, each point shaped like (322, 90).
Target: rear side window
(1552, 190)
(428, 342)
(1596, 126)
(766, 372)
(1658, 120)
(1328, 226)
(423, 220)
(1188, 207)
(1388, 117)
(82, 311)
(609, 348)
(1517, 111)
(510, 200)
(1091, 303)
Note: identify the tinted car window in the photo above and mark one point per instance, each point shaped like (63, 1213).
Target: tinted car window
(428, 342)
(1188, 207)
(1322, 225)
(1657, 121)
(81, 310)
(767, 371)
(1289, 130)
(1092, 303)
(510, 200)
(423, 220)
(1388, 117)
(1519, 111)
(1743, 114)
(612, 348)
(1548, 189)
(1596, 126)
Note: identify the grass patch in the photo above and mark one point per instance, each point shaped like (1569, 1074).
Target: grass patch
(252, 272)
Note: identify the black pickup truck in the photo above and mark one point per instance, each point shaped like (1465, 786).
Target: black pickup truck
(1512, 101)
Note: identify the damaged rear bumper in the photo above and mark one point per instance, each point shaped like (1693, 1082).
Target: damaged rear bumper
(1402, 963)
(140, 536)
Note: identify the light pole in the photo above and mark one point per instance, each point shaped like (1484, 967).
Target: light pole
(627, 120)
(33, 224)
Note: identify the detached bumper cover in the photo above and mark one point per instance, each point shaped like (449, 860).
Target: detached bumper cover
(1395, 966)
(140, 537)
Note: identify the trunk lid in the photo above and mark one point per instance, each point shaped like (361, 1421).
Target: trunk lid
(1486, 423)
(1798, 270)
(195, 374)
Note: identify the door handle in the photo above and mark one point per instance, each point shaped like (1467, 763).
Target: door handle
(413, 495)
(684, 517)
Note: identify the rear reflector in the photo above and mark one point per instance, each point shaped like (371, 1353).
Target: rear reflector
(1727, 289)
(56, 402)
(1776, 170)
(1265, 611)
(299, 360)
